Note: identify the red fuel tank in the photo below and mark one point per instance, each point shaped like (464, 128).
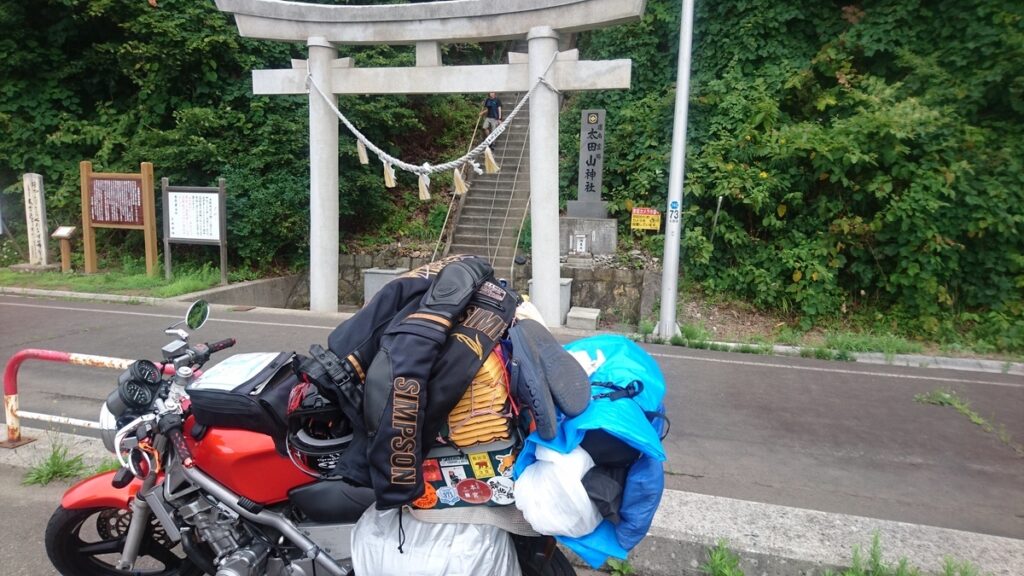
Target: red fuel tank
(247, 464)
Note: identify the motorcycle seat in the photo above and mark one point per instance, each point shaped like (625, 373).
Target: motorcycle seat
(332, 501)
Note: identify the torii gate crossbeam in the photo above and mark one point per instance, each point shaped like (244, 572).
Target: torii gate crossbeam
(427, 25)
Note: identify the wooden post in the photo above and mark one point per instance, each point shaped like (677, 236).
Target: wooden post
(65, 255)
(221, 184)
(88, 234)
(167, 230)
(64, 234)
(149, 218)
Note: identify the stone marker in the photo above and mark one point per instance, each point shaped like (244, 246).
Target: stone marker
(589, 204)
(35, 220)
(586, 229)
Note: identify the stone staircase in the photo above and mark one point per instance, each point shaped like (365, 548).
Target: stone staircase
(493, 210)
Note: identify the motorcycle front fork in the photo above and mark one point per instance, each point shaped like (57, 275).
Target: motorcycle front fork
(137, 527)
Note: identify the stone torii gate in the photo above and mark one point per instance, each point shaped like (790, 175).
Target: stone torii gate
(427, 26)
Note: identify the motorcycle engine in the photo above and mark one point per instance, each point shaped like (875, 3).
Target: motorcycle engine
(234, 552)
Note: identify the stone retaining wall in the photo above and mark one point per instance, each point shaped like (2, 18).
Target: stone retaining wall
(622, 296)
(619, 294)
(350, 272)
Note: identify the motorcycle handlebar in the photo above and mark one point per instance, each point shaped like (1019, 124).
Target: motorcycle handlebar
(221, 345)
(178, 439)
(171, 425)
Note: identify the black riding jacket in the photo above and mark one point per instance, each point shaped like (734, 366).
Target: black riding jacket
(414, 348)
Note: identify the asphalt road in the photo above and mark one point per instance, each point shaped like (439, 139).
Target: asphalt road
(835, 437)
(24, 512)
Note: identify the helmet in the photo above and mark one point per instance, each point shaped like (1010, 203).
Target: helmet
(318, 432)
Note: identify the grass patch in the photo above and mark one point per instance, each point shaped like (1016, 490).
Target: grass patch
(787, 335)
(109, 465)
(695, 331)
(126, 281)
(58, 465)
(949, 397)
(701, 344)
(620, 567)
(821, 353)
(646, 328)
(887, 344)
(724, 562)
(753, 349)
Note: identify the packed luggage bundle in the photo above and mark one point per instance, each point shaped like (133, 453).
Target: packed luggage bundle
(437, 397)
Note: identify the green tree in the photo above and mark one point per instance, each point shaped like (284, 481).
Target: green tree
(866, 155)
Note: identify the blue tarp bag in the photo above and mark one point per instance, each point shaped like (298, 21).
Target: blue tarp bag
(618, 361)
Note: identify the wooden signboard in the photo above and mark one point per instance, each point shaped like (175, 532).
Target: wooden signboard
(645, 219)
(195, 215)
(113, 200)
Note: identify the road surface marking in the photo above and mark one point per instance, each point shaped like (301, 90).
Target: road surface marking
(835, 370)
(172, 316)
(655, 354)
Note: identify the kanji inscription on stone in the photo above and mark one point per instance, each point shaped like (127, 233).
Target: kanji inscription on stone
(591, 155)
(35, 219)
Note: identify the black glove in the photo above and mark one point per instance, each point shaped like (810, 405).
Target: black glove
(448, 296)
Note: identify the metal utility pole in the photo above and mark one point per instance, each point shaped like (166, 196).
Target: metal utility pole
(667, 326)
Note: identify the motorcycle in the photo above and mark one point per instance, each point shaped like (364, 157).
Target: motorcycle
(222, 502)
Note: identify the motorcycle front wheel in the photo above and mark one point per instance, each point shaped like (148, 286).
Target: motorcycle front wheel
(88, 542)
(540, 557)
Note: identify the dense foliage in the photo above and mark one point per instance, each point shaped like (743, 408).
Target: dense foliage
(865, 154)
(119, 82)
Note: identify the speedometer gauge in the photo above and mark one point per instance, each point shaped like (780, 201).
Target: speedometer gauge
(136, 395)
(145, 371)
(137, 385)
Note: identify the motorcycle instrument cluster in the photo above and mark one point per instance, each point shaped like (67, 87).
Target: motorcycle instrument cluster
(137, 385)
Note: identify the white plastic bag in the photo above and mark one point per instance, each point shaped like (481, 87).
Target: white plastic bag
(551, 495)
(430, 549)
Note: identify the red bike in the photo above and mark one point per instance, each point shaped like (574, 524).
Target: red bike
(222, 502)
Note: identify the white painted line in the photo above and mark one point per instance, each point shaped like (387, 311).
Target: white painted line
(657, 355)
(171, 316)
(835, 370)
(59, 419)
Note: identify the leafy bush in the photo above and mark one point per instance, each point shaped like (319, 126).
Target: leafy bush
(867, 156)
(119, 82)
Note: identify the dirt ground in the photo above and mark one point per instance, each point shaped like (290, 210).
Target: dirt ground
(729, 322)
(735, 321)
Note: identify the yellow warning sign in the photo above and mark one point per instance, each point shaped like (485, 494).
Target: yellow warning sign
(645, 219)
(482, 467)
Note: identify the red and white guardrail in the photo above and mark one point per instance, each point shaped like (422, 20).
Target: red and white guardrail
(13, 414)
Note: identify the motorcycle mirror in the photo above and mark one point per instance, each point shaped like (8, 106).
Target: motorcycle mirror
(197, 315)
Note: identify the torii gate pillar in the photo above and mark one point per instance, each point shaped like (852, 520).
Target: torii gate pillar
(543, 44)
(427, 25)
(323, 183)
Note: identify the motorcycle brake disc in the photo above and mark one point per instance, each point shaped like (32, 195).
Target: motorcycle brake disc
(113, 524)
